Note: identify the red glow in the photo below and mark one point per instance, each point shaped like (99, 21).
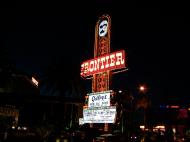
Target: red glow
(183, 113)
(104, 63)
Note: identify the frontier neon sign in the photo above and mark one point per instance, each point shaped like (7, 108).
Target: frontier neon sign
(100, 69)
(112, 61)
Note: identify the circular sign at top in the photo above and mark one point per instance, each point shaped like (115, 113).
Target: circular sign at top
(103, 28)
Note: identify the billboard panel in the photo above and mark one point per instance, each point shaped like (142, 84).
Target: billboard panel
(99, 99)
(100, 115)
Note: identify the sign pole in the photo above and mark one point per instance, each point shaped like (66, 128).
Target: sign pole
(101, 81)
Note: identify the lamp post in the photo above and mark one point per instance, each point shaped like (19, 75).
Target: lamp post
(125, 100)
(144, 101)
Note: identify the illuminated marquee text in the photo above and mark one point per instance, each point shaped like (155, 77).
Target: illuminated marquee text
(111, 61)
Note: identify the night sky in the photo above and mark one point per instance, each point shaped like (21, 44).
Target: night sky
(155, 37)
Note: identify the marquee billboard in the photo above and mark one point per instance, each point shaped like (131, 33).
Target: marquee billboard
(99, 99)
(100, 115)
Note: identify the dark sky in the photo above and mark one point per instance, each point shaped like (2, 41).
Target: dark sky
(155, 37)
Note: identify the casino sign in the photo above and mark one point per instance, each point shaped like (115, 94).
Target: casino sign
(115, 60)
(98, 108)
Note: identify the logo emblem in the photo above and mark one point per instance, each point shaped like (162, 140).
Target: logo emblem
(103, 28)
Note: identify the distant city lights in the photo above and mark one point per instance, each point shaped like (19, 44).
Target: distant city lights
(120, 91)
(34, 81)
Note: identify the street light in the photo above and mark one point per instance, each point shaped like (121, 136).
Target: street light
(142, 88)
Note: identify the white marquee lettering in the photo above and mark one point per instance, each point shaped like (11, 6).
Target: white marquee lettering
(85, 67)
(107, 62)
(82, 70)
(111, 61)
(102, 62)
(91, 66)
(96, 64)
(119, 58)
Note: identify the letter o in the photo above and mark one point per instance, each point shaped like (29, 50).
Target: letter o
(99, 79)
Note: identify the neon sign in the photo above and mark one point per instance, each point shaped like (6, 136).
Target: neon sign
(113, 61)
(99, 108)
